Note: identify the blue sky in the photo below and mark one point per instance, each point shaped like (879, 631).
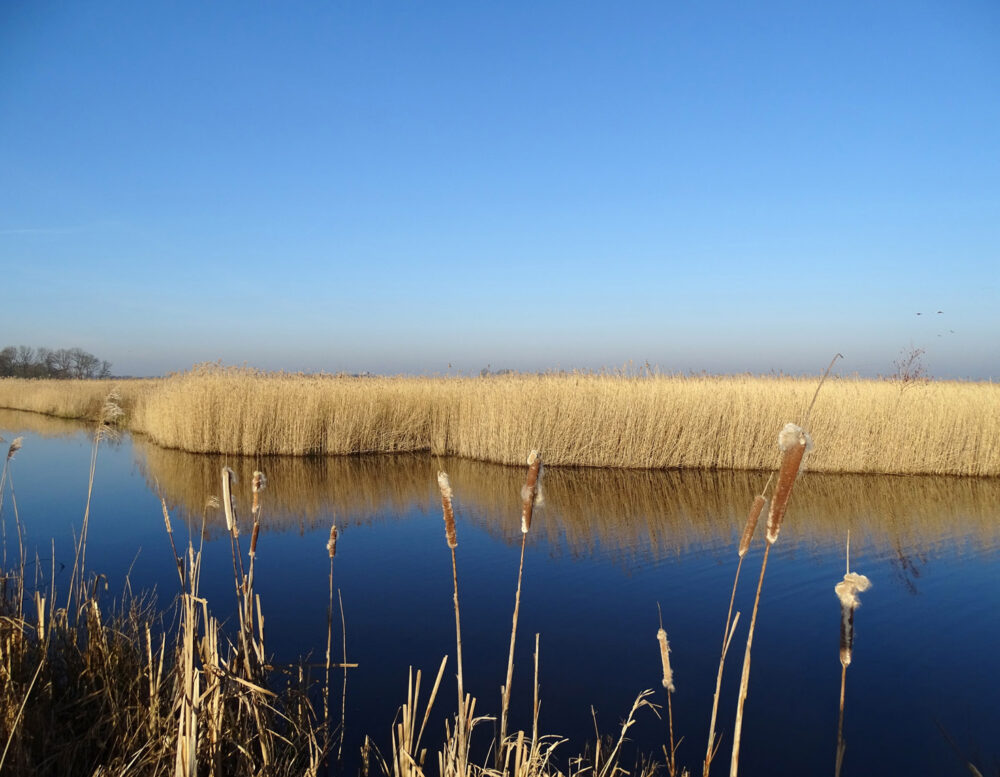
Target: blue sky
(399, 187)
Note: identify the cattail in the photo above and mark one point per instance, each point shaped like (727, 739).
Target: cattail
(228, 500)
(449, 514)
(166, 516)
(531, 492)
(847, 591)
(253, 538)
(794, 443)
(15, 446)
(331, 544)
(755, 510)
(668, 674)
(212, 503)
(259, 484)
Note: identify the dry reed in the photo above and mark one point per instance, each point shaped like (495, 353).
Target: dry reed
(600, 420)
(729, 629)
(457, 762)
(530, 497)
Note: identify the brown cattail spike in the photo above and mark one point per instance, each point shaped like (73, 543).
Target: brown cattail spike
(531, 492)
(668, 674)
(755, 510)
(449, 514)
(794, 443)
(847, 591)
(331, 544)
(253, 539)
(259, 484)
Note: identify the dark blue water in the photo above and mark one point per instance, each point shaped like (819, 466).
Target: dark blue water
(605, 549)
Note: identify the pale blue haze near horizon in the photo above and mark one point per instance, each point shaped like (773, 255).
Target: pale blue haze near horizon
(403, 187)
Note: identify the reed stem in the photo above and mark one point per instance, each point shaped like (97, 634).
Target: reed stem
(745, 678)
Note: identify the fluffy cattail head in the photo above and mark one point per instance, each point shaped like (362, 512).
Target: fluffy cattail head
(755, 510)
(531, 491)
(331, 544)
(449, 514)
(668, 673)
(847, 592)
(15, 446)
(794, 444)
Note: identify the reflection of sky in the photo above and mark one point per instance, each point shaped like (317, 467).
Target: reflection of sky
(400, 190)
(925, 633)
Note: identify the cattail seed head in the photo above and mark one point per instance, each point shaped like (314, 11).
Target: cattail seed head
(794, 443)
(166, 516)
(253, 538)
(847, 591)
(228, 499)
(259, 484)
(755, 510)
(668, 673)
(449, 514)
(331, 544)
(531, 492)
(15, 446)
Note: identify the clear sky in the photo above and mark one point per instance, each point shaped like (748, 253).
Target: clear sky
(396, 187)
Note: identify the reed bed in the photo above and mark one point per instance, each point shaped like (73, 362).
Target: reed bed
(598, 420)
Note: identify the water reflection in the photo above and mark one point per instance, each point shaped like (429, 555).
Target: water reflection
(623, 512)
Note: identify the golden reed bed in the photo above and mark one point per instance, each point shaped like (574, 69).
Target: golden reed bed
(866, 426)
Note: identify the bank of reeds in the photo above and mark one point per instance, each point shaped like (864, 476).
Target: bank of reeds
(600, 420)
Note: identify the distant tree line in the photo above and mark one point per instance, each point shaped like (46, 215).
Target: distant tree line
(24, 362)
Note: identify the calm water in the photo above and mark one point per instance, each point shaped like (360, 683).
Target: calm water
(604, 549)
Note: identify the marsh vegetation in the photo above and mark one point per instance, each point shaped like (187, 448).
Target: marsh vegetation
(123, 686)
(644, 421)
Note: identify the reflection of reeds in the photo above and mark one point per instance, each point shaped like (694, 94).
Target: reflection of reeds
(626, 512)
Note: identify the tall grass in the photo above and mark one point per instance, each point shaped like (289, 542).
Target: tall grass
(600, 420)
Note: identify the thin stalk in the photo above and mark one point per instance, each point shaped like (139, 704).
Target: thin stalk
(745, 678)
(841, 745)
(710, 752)
(505, 707)
(461, 733)
(343, 695)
